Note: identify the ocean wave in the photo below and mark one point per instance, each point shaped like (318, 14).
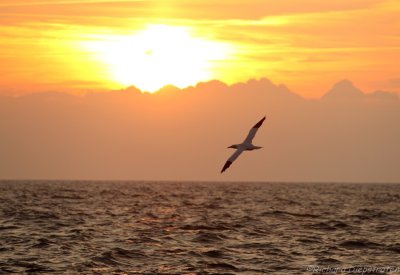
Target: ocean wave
(81, 227)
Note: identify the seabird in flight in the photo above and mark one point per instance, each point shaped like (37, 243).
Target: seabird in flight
(246, 145)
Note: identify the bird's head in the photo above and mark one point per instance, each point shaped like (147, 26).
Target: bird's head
(234, 146)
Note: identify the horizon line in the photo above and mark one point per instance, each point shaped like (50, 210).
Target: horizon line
(202, 181)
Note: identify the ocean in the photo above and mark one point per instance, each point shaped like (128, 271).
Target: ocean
(106, 227)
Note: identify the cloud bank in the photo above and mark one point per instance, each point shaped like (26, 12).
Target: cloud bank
(182, 134)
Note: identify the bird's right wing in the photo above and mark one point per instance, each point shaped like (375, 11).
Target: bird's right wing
(231, 159)
(253, 131)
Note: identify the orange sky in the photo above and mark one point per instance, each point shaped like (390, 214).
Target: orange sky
(68, 45)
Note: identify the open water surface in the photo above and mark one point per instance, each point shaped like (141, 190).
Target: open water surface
(81, 227)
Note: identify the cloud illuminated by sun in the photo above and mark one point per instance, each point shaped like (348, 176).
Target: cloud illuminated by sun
(156, 56)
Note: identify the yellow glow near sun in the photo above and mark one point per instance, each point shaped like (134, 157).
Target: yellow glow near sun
(157, 56)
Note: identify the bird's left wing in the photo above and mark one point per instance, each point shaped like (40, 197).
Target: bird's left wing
(253, 131)
(231, 159)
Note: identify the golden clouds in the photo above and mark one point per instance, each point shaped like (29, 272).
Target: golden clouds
(288, 41)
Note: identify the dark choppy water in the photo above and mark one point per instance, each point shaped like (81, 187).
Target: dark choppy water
(196, 228)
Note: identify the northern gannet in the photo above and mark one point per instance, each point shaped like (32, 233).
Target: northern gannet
(246, 145)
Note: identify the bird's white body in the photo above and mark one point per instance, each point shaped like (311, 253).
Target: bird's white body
(246, 145)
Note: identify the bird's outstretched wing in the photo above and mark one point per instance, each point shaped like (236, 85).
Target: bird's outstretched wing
(253, 131)
(231, 159)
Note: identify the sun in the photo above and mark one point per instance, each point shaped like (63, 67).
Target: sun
(157, 56)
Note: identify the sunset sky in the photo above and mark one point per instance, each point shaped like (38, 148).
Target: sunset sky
(89, 45)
